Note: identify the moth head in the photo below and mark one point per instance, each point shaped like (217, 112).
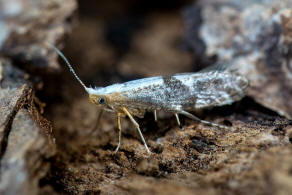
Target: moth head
(96, 97)
(100, 100)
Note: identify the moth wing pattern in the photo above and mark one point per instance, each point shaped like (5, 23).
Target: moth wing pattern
(219, 67)
(179, 93)
(188, 91)
(217, 89)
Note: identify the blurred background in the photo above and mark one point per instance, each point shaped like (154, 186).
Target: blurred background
(50, 142)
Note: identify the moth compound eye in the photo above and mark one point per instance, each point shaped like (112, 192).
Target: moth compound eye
(101, 100)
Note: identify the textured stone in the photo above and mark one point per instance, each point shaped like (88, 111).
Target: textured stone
(24, 142)
(255, 38)
(26, 25)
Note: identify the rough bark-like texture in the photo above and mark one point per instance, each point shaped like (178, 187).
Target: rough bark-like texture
(117, 41)
(198, 160)
(255, 38)
(24, 143)
(26, 25)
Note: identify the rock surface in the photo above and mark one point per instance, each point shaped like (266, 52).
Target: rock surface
(117, 41)
(255, 38)
(24, 144)
(199, 159)
(26, 141)
(27, 24)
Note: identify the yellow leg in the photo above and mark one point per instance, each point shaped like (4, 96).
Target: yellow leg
(203, 121)
(120, 131)
(155, 115)
(96, 126)
(178, 121)
(137, 126)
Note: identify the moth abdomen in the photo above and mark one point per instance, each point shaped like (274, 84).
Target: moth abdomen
(177, 94)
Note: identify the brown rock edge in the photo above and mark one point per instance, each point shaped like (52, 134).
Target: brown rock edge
(25, 143)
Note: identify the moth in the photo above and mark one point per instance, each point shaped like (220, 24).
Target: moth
(177, 94)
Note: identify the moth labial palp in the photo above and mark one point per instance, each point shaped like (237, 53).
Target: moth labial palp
(177, 94)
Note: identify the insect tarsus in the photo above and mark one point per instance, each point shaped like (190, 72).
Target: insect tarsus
(176, 94)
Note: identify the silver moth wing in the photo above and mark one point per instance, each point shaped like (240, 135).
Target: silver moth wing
(186, 91)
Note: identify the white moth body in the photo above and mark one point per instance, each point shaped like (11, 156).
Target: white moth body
(177, 94)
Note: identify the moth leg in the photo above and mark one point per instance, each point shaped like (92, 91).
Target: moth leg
(96, 125)
(202, 121)
(120, 131)
(178, 121)
(138, 128)
(155, 115)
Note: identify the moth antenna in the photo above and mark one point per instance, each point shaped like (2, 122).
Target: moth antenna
(68, 64)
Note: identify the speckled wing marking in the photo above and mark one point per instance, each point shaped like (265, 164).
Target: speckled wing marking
(179, 93)
(188, 91)
(216, 89)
